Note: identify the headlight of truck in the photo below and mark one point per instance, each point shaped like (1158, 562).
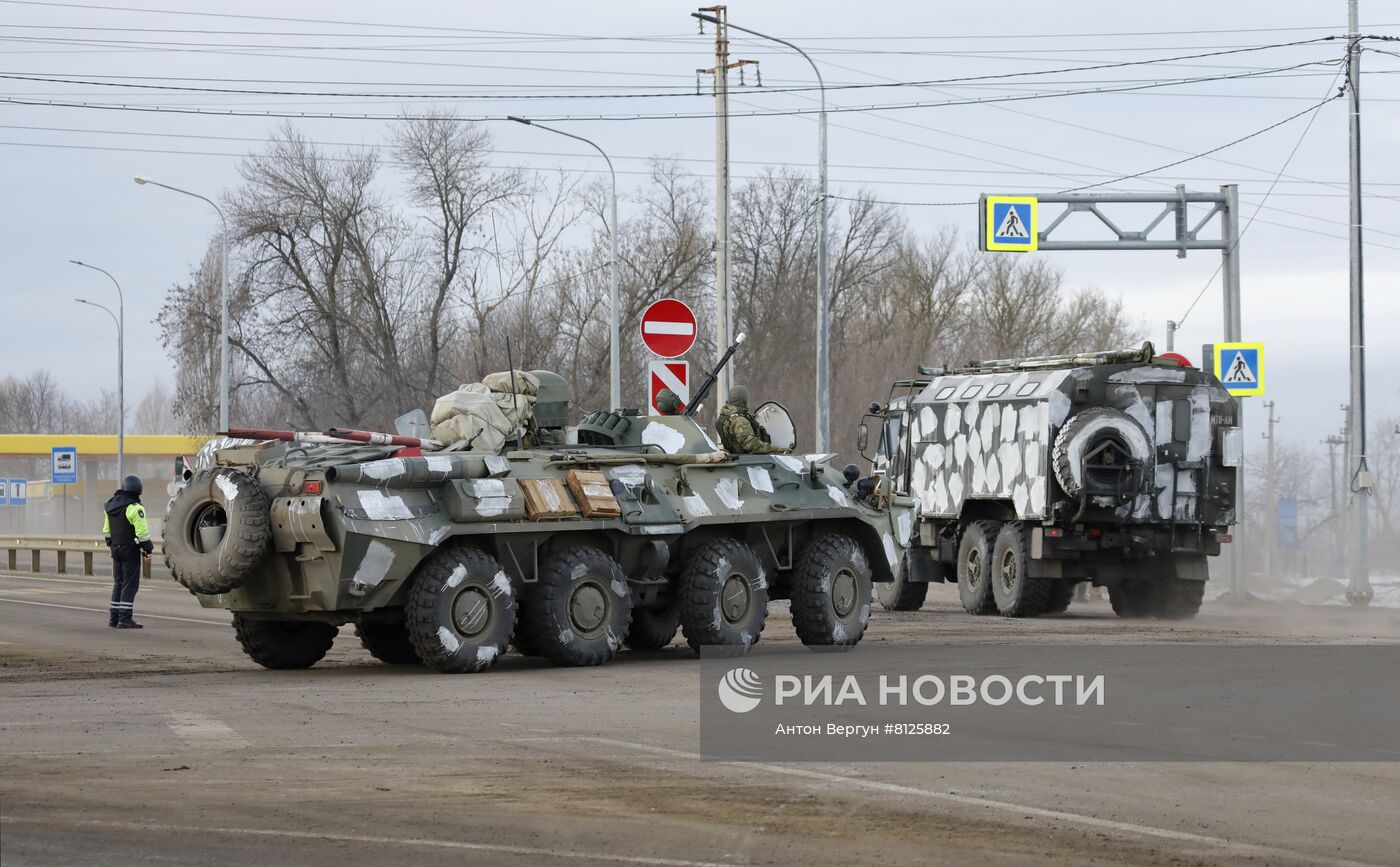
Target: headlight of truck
(1231, 446)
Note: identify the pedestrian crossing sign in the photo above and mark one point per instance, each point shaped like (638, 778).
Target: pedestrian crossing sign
(1010, 223)
(1240, 367)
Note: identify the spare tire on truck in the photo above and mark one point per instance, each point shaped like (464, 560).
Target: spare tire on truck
(1086, 432)
(217, 531)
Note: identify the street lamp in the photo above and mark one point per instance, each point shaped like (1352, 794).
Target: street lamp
(615, 355)
(121, 382)
(120, 319)
(223, 319)
(823, 301)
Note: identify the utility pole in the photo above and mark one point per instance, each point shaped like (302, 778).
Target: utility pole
(1358, 483)
(1171, 335)
(724, 295)
(1271, 496)
(1230, 285)
(1337, 536)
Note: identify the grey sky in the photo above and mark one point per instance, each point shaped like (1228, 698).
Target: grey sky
(63, 199)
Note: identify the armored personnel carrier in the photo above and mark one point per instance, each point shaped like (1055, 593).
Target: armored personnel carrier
(567, 544)
(1034, 474)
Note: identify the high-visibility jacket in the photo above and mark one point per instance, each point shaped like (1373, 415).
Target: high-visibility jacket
(124, 524)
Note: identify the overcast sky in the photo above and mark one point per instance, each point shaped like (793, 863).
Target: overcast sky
(66, 171)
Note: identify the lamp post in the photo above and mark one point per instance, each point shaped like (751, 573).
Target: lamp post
(121, 375)
(223, 299)
(615, 353)
(823, 301)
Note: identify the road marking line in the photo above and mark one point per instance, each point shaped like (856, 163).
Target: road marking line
(204, 732)
(1023, 810)
(144, 615)
(459, 845)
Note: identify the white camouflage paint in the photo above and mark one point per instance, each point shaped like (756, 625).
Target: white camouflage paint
(695, 507)
(226, 487)
(491, 496)
(497, 465)
(789, 463)
(439, 463)
(485, 654)
(727, 489)
(500, 585)
(632, 475)
(668, 439)
(380, 506)
(448, 640)
(837, 496)
(375, 564)
(385, 469)
(760, 480)
(458, 575)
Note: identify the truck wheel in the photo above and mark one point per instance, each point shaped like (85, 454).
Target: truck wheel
(901, 594)
(975, 567)
(284, 643)
(724, 596)
(211, 499)
(1061, 594)
(1087, 430)
(387, 641)
(1131, 599)
(1017, 594)
(1178, 599)
(581, 608)
(461, 610)
(831, 593)
(653, 628)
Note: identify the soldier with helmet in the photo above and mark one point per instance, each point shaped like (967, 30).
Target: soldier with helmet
(739, 432)
(129, 536)
(668, 402)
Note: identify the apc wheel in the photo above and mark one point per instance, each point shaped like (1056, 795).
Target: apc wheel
(1131, 599)
(901, 594)
(975, 567)
(580, 610)
(1178, 599)
(831, 593)
(214, 498)
(284, 643)
(653, 628)
(1016, 593)
(461, 610)
(724, 597)
(387, 641)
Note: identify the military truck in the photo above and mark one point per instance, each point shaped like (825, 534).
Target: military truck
(568, 544)
(1034, 474)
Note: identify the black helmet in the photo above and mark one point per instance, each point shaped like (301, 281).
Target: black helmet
(132, 485)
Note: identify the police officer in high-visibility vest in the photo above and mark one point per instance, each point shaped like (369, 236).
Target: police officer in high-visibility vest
(129, 537)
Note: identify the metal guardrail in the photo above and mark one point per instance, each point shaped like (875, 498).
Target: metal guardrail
(88, 546)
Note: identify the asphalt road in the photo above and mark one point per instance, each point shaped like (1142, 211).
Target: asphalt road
(168, 745)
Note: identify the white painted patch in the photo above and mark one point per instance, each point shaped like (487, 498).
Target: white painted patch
(919, 476)
(1011, 461)
(1021, 497)
(491, 496)
(1008, 423)
(993, 475)
(378, 558)
(1031, 462)
(1037, 496)
(1163, 432)
(979, 478)
(928, 424)
(955, 490)
(1026, 421)
(1150, 374)
(695, 507)
(458, 575)
(891, 555)
(497, 465)
(727, 489)
(486, 654)
(789, 463)
(1198, 445)
(905, 527)
(987, 427)
(385, 469)
(226, 487)
(381, 506)
(500, 585)
(1130, 401)
(759, 479)
(959, 452)
(837, 495)
(1059, 404)
(760, 581)
(974, 447)
(668, 439)
(448, 640)
(632, 475)
(952, 420)
(1185, 504)
(1135, 436)
(1165, 478)
(439, 463)
(439, 534)
(934, 456)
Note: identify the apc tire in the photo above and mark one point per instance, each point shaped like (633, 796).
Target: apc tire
(975, 567)
(901, 594)
(461, 610)
(1016, 593)
(831, 593)
(1178, 599)
(579, 611)
(653, 628)
(1061, 595)
(212, 496)
(724, 597)
(1131, 600)
(387, 641)
(284, 644)
(1086, 428)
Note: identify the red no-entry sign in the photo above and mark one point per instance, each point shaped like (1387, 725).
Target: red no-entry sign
(668, 328)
